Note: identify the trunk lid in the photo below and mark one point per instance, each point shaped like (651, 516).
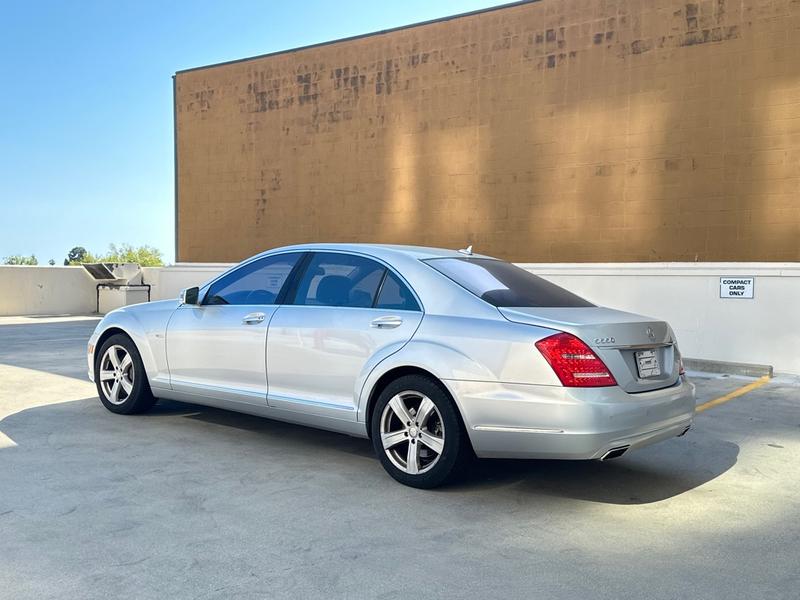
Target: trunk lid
(639, 351)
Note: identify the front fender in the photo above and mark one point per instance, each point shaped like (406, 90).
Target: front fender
(146, 325)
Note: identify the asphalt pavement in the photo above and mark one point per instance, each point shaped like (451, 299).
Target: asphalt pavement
(194, 502)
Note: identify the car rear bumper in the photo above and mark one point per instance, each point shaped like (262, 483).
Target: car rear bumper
(532, 421)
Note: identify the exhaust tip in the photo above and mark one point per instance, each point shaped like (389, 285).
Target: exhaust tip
(683, 433)
(615, 453)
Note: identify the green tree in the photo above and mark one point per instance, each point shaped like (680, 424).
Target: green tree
(145, 256)
(76, 256)
(20, 260)
(51, 262)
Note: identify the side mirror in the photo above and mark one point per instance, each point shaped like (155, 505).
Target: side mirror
(190, 296)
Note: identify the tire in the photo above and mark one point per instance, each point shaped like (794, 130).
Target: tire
(124, 389)
(424, 453)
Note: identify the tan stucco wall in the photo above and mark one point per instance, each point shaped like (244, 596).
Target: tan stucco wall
(560, 130)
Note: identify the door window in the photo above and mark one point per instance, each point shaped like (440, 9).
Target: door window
(257, 282)
(333, 279)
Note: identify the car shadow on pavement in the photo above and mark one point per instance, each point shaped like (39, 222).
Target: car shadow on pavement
(649, 475)
(277, 430)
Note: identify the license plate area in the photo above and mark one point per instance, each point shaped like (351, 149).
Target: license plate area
(647, 364)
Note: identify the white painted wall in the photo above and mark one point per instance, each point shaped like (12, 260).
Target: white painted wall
(764, 330)
(167, 282)
(46, 291)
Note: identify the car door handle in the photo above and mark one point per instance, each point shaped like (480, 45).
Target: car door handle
(386, 322)
(254, 318)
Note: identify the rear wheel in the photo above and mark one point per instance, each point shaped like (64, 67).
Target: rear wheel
(417, 432)
(120, 377)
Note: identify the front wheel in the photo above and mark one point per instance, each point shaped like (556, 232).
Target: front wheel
(417, 432)
(120, 377)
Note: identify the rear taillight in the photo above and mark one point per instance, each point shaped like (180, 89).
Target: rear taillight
(575, 364)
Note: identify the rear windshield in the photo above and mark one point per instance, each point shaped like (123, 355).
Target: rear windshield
(503, 284)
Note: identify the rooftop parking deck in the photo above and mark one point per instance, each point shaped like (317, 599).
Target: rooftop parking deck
(211, 504)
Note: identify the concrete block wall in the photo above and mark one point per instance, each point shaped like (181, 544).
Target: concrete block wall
(764, 330)
(549, 131)
(46, 291)
(167, 282)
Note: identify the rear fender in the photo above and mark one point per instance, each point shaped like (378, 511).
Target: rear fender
(441, 361)
(469, 349)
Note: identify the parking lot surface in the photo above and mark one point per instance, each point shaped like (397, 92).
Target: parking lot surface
(195, 502)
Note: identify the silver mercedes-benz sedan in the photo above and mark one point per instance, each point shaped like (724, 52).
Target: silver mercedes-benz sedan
(436, 355)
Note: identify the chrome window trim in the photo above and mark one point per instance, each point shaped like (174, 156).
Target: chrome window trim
(321, 306)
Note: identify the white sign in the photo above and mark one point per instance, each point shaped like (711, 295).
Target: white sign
(736, 287)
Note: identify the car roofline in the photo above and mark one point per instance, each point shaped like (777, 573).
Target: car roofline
(417, 252)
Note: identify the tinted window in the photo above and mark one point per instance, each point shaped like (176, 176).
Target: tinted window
(258, 282)
(503, 284)
(333, 279)
(394, 295)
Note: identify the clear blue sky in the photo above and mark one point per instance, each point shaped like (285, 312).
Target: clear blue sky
(86, 104)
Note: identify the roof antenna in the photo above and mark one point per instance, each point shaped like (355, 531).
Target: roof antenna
(467, 250)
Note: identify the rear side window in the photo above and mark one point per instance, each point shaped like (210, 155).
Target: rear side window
(334, 279)
(394, 295)
(503, 284)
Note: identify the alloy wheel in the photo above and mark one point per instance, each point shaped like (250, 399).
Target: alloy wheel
(116, 374)
(412, 432)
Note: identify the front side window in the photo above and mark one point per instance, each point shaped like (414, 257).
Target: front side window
(258, 282)
(503, 284)
(333, 279)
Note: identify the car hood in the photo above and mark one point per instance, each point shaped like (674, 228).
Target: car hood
(154, 306)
